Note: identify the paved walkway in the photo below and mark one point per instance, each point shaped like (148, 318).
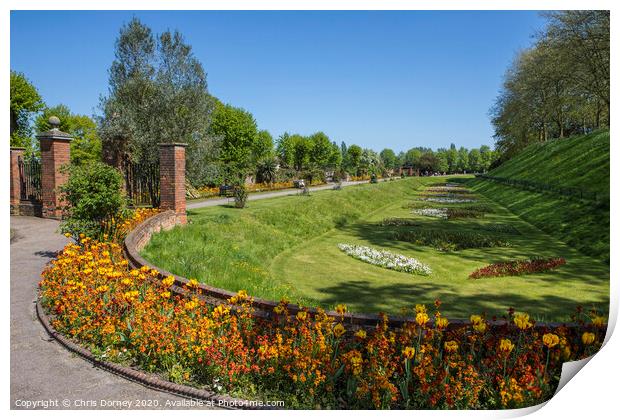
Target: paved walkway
(260, 196)
(41, 369)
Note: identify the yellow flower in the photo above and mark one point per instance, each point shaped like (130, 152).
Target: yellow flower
(361, 334)
(599, 321)
(339, 330)
(102, 289)
(441, 323)
(242, 294)
(421, 318)
(192, 304)
(192, 283)
(522, 321)
(278, 309)
(550, 340)
(588, 338)
(220, 310)
(420, 308)
(165, 295)
(341, 309)
(451, 346)
(168, 281)
(67, 235)
(505, 345)
(475, 319)
(409, 352)
(480, 327)
(301, 315)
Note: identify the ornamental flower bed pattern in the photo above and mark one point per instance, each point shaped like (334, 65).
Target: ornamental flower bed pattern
(450, 241)
(440, 213)
(518, 267)
(385, 259)
(448, 200)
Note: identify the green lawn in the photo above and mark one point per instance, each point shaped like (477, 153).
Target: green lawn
(288, 247)
(581, 162)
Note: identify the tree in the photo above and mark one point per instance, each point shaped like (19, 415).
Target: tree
(86, 144)
(301, 147)
(263, 146)
(157, 94)
(442, 160)
(462, 163)
(487, 156)
(389, 158)
(475, 162)
(452, 158)
(353, 157)
(25, 101)
(320, 150)
(284, 150)
(559, 87)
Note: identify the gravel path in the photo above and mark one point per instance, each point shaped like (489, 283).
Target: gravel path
(261, 196)
(43, 372)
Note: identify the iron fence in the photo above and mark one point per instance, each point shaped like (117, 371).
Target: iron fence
(556, 189)
(142, 183)
(29, 179)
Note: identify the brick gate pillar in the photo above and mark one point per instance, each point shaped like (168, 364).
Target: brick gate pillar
(172, 179)
(55, 153)
(16, 154)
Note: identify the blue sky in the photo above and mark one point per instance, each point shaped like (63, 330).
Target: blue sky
(377, 79)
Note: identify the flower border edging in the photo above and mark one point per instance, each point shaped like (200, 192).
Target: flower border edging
(139, 377)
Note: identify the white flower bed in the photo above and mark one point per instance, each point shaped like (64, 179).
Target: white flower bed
(441, 213)
(448, 200)
(385, 259)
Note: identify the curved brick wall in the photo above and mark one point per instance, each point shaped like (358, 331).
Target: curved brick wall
(141, 235)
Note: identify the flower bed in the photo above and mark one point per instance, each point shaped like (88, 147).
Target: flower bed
(500, 228)
(132, 318)
(448, 200)
(518, 267)
(385, 259)
(449, 241)
(399, 221)
(440, 213)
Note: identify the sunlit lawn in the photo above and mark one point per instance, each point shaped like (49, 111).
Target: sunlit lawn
(272, 250)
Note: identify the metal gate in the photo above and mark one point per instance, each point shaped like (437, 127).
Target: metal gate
(141, 183)
(29, 179)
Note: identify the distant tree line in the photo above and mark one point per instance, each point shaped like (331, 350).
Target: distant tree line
(560, 86)
(158, 94)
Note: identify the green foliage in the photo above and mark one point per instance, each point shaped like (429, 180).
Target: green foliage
(267, 170)
(93, 195)
(86, 144)
(241, 196)
(239, 133)
(25, 101)
(559, 87)
(389, 158)
(157, 94)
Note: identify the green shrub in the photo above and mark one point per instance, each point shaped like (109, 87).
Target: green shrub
(93, 197)
(241, 196)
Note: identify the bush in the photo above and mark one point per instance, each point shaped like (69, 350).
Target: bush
(93, 198)
(241, 196)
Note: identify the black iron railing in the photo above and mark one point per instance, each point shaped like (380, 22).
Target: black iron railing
(142, 183)
(29, 179)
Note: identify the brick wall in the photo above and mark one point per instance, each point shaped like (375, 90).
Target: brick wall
(16, 153)
(172, 179)
(55, 153)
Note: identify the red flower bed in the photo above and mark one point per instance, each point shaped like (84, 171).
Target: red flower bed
(515, 268)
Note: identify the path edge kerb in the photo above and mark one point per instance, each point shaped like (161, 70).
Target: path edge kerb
(140, 236)
(140, 377)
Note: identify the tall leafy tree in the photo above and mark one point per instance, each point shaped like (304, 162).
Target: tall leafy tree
(157, 94)
(86, 144)
(25, 102)
(389, 158)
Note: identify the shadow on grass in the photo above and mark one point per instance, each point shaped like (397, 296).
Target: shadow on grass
(370, 295)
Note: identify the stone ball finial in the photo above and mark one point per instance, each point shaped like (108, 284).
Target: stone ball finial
(54, 122)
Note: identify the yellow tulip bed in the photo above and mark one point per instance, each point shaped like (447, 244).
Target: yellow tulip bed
(132, 317)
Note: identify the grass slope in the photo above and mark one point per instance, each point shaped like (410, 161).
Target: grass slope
(232, 248)
(288, 247)
(581, 162)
